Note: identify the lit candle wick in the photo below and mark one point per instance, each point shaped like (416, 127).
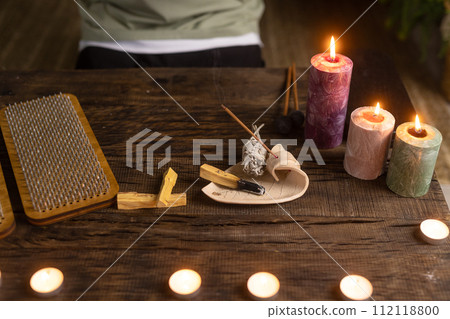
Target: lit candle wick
(47, 281)
(373, 115)
(355, 287)
(45, 275)
(332, 49)
(417, 131)
(263, 285)
(185, 282)
(418, 128)
(434, 231)
(377, 110)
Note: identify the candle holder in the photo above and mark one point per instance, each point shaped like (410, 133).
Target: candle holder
(185, 283)
(434, 231)
(356, 287)
(263, 286)
(47, 282)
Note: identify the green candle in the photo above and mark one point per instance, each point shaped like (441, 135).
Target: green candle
(413, 158)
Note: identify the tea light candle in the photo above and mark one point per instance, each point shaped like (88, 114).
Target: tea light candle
(414, 154)
(185, 283)
(368, 142)
(329, 85)
(47, 281)
(263, 285)
(356, 287)
(434, 231)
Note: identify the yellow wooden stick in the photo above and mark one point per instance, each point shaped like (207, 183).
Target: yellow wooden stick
(169, 180)
(213, 174)
(220, 177)
(133, 200)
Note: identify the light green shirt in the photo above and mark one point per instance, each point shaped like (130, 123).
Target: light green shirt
(128, 20)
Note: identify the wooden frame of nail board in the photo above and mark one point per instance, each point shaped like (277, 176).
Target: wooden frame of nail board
(70, 209)
(7, 224)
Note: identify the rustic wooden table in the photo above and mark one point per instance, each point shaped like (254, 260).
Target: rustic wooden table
(365, 227)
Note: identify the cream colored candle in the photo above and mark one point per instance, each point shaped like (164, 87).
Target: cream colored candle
(434, 231)
(185, 283)
(413, 158)
(47, 281)
(355, 287)
(263, 285)
(368, 142)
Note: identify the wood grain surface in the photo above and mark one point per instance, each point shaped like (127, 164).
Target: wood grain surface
(368, 229)
(7, 222)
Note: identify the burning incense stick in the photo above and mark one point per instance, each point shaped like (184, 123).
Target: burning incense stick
(288, 90)
(247, 129)
(294, 77)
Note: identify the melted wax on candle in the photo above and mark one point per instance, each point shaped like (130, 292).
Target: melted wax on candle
(420, 134)
(372, 117)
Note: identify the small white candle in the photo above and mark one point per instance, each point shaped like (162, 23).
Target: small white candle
(263, 285)
(356, 287)
(185, 282)
(434, 231)
(47, 281)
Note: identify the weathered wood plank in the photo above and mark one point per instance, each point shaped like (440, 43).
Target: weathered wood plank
(306, 274)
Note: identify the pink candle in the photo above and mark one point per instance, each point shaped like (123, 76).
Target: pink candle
(368, 141)
(329, 85)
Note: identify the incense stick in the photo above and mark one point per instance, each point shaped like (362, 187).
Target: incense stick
(288, 89)
(294, 77)
(247, 129)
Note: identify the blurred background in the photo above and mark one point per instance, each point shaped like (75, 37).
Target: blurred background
(44, 35)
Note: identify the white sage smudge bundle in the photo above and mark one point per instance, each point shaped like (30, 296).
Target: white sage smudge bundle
(254, 155)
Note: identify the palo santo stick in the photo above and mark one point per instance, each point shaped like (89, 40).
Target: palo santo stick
(169, 180)
(133, 200)
(294, 77)
(218, 176)
(247, 129)
(288, 89)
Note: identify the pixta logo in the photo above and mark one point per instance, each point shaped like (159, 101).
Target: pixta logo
(146, 143)
(304, 156)
(144, 140)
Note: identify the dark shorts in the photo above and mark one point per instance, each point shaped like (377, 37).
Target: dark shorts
(239, 56)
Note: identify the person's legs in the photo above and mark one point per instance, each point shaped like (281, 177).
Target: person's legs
(101, 58)
(240, 56)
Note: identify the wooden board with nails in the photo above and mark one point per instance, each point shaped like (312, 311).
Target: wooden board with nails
(367, 229)
(69, 208)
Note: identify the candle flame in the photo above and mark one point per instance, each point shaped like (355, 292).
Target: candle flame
(332, 49)
(418, 128)
(45, 275)
(377, 109)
